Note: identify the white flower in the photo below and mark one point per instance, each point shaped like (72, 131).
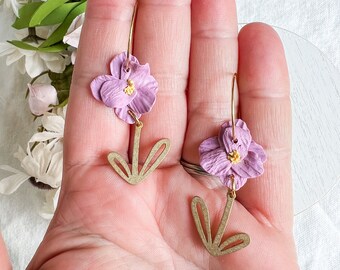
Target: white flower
(73, 34)
(14, 4)
(53, 124)
(50, 203)
(40, 97)
(32, 62)
(42, 163)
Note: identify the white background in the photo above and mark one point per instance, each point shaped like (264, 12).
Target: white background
(316, 228)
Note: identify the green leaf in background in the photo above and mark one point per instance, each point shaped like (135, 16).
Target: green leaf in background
(59, 47)
(58, 34)
(44, 10)
(62, 83)
(25, 15)
(22, 45)
(58, 15)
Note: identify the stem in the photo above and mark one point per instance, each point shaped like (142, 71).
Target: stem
(34, 79)
(224, 220)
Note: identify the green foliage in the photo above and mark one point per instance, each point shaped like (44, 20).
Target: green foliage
(59, 33)
(57, 16)
(62, 83)
(54, 48)
(44, 10)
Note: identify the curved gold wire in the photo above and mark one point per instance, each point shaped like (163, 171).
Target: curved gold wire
(233, 107)
(129, 49)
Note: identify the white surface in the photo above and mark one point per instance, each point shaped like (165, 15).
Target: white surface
(317, 227)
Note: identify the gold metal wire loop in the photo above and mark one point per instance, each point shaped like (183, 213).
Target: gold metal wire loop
(233, 107)
(129, 49)
(137, 121)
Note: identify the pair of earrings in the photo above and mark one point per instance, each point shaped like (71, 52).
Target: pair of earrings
(232, 155)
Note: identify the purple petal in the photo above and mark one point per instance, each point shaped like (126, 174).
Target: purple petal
(140, 74)
(250, 167)
(258, 149)
(113, 95)
(213, 158)
(123, 114)
(117, 67)
(239, 181)
(145, 98)
(97, 84)
(209, 145)
(242, 134)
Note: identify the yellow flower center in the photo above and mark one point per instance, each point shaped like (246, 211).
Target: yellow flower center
(130, 88)
(234, 157)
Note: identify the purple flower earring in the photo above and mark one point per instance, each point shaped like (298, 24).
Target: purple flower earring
(233, 157)
(130, 91)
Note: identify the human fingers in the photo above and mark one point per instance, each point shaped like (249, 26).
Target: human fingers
(265, 107)
(162, 39)
(213, 61)
(92, 129)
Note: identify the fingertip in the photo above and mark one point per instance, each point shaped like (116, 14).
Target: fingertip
(262, 59)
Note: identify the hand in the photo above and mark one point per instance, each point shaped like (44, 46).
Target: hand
(104, 223)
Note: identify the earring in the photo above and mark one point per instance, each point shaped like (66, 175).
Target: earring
(233, 156)
(131, 91)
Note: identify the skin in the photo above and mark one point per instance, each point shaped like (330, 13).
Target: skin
(193, 49)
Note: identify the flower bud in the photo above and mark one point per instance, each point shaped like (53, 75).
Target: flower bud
(41, 96)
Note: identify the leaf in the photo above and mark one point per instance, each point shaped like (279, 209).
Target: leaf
(54, 48)
(58, 34)
(62, 83)
(25, 15)
(22, 45)
(44, 10)
(58, 15)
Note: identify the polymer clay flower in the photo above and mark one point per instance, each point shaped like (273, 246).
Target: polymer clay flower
(223, 157)
(132, 89)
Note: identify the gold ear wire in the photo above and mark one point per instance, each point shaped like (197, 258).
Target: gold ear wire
(233, 107)
(129, 49)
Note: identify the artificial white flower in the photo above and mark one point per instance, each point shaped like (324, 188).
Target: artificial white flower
(53, 124)
(72, 36)
(15, 5)
(40, 97)
(42, 163)
(32, 62)
(50, 204)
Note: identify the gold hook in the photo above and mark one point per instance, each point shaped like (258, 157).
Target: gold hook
(137, 121)
(233, 107)
(128, 54)
(232, 191)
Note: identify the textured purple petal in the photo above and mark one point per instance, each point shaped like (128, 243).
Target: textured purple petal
(117, 67)
(250, 167)
(209, 145)
(113, 95)
(239, 181)
(123, 114)
(258, 149)
(97, 84)
(242, 134)
(215, 162)
(145, 98)
(140, 74)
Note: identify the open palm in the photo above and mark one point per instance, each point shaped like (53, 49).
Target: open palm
(193, 49)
